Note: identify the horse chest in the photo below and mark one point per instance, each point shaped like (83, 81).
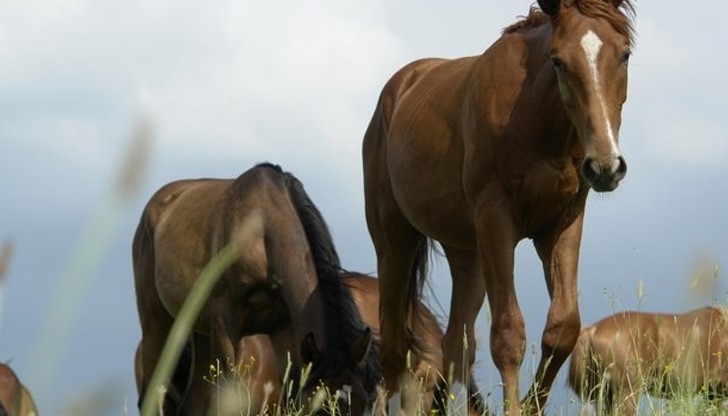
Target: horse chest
(544, 192)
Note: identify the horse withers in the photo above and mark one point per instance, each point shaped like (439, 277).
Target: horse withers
(481, 152)
(286, 277)
(625, 355)
(15, 398)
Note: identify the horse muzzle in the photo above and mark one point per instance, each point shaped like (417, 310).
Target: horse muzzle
(604, 177)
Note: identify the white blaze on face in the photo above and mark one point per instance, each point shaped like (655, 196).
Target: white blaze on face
(592, 45)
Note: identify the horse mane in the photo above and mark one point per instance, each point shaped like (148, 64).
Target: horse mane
(348, 327)
(620, 18)
(535, 18)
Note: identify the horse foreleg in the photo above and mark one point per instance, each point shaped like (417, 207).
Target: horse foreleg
(496, 242)
(559, 254)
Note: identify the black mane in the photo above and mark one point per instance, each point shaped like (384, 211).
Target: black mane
(344, 324)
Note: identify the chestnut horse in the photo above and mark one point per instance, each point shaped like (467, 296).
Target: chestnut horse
(259, 356)
(15, 399)
(481, 152)
(620, 357)
(286, 278)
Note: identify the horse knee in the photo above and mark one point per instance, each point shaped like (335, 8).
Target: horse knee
(561, 333)
(393, 358)
(455, 344)
(508, 343)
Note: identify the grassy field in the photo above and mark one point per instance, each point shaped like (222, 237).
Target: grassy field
(235, 394)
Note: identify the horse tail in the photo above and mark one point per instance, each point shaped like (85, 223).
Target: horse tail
(584, 369)
(417, 312)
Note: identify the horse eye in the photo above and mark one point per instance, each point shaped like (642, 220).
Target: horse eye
(625, 56)
(558, 64)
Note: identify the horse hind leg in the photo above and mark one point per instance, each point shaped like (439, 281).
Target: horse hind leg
(213, 377)
(155, 321)
(398, 294)
(400, 250)
(468, 293)
(202, 371)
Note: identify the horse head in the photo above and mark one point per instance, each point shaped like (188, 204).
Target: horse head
(590, 49)
(348, 373)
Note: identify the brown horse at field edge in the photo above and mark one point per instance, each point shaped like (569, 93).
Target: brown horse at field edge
(481, 152)
(286, 277)
(15, 399)
(627, 354)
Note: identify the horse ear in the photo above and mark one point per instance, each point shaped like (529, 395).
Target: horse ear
(309, 349)
(550, 7)
(360, 348)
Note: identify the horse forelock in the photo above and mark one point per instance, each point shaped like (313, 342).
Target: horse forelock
(620, 18)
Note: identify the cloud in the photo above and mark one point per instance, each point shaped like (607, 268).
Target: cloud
(290, 84)
(673, 103)
(226, 82)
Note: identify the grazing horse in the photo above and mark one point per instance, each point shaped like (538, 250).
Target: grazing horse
(620, 357)
(481, 152)
(285, 279)
(15, 399)
(258, 354)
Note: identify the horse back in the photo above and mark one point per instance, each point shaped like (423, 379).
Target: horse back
(702, 339)
(186, 222)
(616, 350)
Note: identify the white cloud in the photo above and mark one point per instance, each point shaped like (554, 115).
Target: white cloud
(283, 80)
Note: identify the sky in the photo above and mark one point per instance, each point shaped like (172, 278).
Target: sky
(227, 84)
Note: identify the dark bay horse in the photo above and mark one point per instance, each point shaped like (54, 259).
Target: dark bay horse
(627, 354)
(258, 354)
(15, 399)
(286, 277)
(481, 152)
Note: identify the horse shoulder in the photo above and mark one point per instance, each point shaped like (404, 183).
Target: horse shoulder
(495, 82)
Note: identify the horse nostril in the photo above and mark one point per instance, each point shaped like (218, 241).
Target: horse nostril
(621, 168)
(589, 168)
